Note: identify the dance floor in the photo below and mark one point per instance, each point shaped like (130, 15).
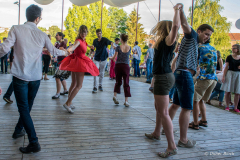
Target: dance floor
(99, 129)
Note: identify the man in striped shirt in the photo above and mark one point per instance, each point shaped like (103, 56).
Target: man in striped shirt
(186, 67)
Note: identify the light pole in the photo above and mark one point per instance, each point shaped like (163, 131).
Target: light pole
(18, 3)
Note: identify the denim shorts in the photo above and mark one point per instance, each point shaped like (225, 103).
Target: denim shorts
(184, 89)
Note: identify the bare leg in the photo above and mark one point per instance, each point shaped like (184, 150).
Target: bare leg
(202, 107)
(152, 83)
(183, 124)
(227, 98)
(73, 84)
(58, 84)
(79, 79)
(64, 84)
(173, 110)
(236, 100)
(195, 112)
(126, 99)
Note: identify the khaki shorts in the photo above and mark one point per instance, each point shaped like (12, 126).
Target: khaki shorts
(203, 89)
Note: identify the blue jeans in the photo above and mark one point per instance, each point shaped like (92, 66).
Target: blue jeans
(171, 92)
(149, 68)
(25, 93)
(217, 91)
(9, 91)
(136, 67)
(184, 89)
(4, 60)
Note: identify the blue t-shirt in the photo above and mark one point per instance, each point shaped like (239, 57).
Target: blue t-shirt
(150, 51)
(101, 53)
(207, 62)
(188, 52)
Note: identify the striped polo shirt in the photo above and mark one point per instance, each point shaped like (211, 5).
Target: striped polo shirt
(188, 52)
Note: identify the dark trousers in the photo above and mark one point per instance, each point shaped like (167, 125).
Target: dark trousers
(9, 91)
(46, 62)
(25, 93)
(122, 71)
(136, 67)
(4, 60)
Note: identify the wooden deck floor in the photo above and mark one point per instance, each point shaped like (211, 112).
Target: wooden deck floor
(101, 130)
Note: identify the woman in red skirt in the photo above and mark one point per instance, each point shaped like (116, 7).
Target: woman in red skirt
(78, 63)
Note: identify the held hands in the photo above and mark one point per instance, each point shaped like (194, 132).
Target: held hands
(223, 79)
(178, 6)
(92, 47)
(0, 90)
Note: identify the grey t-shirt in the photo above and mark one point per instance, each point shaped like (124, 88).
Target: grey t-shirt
(150, 51)
(139, 52)
(122, 57)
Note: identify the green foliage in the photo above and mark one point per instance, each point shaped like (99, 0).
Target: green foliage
(117, 22)
(53, 31)
(3, 34)
(43, 29)
(89, 16)
(131, 31)
(208, 12)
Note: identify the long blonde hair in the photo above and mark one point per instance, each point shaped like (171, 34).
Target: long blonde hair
(162, 30)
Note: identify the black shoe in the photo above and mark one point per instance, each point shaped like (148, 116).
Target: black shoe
(100, 88)
(32, 147)
(17, 135)
(63, 93)
(8, 100)
(148, 81)
(55, 97)
(94, 90)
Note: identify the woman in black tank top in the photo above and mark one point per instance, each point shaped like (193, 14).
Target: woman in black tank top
(167, 33)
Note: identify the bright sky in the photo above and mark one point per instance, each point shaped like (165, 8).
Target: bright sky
(52, 13)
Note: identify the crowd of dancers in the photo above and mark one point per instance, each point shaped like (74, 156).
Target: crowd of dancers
(174, 66)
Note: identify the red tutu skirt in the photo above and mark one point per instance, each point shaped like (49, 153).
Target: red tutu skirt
(81, 63)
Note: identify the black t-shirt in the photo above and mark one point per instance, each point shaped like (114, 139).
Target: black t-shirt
(234, 65)
(101, 53)
(162, 58)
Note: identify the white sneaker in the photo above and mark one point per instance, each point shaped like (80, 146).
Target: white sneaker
(126, 104)
(68, 108)
(115, 100)
(72, 106)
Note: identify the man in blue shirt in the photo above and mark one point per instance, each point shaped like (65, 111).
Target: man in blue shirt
(136, 59)
(149, 61)
(100, 57)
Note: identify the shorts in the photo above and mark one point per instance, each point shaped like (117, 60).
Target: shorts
(203, 89)
(163, 83)
(184, 89)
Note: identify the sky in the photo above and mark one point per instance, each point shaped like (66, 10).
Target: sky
(52, 13)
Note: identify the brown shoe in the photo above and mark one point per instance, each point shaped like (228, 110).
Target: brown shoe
(151, 136)
(46, 78)
(220, 104)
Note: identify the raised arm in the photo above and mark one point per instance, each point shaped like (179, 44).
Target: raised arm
(5, 47)
(171, 38)
(173, 67)
(185, 26)
(73, 47)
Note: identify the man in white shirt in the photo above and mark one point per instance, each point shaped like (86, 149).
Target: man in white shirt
(136, 59)
(28, 42)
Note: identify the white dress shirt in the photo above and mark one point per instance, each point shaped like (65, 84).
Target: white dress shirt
(28, 42)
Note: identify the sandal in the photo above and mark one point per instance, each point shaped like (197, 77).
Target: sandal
(193, 126)
(151, 136)
(167, 153)
(201, 123)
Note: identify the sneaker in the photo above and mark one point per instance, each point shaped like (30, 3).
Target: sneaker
(32, 147)
(174, 131)
(64, 92)
(8, 100)
(69, 109)
(56, 96)
(151, 89)
(100, 88)
(189, 144)
(236, 110)
(18, 135)
(94, 90)
(72, 106)
(227, 109)
(126, 104)
(115, 100)
(167, 153)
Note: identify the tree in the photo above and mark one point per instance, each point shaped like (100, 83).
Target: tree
(89, 16)
(131, 31)
(4, 34)
(208, 12)
(43, 29)
(117, 22)
(53, 30)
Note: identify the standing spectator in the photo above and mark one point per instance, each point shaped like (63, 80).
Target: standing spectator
(46, 56)
(66, 41)
(4, 60)
(136, 59)
(231, 77)
(28, 42)
(100, 58)
(149, 62)
(122, 69)
(112, 62)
